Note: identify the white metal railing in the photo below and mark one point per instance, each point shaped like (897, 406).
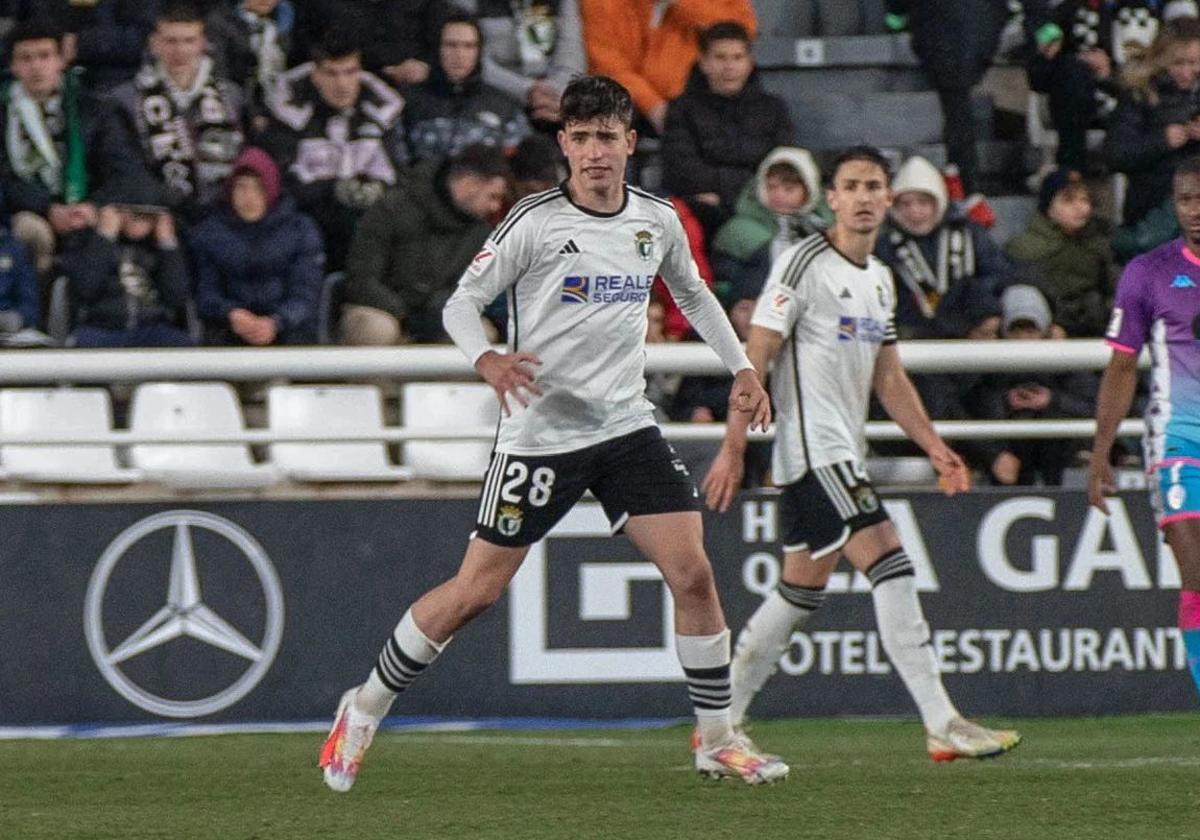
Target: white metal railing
(424, 363)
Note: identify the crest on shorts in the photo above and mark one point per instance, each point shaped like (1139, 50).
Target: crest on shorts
(868, 502)
(644, 242)
(1176, 496)
(508, 522)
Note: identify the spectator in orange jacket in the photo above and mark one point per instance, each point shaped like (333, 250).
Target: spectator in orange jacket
(650, 46)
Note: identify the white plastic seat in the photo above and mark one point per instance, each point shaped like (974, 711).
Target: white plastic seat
(447, 405)
(319, 409)
(60, 411)
(193, 408)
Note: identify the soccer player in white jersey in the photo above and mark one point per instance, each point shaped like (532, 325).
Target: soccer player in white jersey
(577, 263)
(825, 320)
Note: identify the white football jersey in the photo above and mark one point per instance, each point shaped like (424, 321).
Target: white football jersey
(834, 315)
(578, 285)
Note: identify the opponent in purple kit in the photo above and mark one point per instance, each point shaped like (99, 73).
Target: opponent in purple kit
(1158, 302)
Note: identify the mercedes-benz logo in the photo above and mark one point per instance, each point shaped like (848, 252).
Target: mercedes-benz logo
(185, 613)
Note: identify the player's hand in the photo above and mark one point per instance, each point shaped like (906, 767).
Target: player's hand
(953, 475)
(1101, 482)
(509, 374)
(748, 396)
(723, 480)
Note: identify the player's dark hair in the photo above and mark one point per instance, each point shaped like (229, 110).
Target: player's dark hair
(35, 29)
(478, 159)
(869, 154)
(179, 11)
(1188, 167)
(596, 97)
(336, 42)
(726, 30)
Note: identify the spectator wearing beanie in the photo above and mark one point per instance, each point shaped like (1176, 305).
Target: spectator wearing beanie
(1026, 396)
(260, 263)
(1069, 249)
(940, 258)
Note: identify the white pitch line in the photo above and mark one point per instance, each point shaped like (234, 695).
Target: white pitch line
(1114, 763)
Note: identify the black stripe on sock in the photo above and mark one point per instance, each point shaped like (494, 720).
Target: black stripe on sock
(894, 564)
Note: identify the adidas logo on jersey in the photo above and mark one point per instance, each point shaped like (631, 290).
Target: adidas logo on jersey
(569, 248)
(845, 295)
(1182, 281)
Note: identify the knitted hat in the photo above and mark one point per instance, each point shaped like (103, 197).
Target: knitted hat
(1023, 302)
(1054, 183)
(254, 161)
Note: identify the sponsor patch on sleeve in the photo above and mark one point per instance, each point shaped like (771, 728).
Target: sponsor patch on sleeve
(780, 304)
(1114, 323)
(481, 260)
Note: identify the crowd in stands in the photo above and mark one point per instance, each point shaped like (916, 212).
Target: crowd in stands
(258, 172)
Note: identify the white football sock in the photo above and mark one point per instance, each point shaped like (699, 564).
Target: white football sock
(407, 653)
(905, 636)
(705, 661)
(764, 640)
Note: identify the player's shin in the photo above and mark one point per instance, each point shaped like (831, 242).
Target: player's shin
(1189, 626)
(906, 637)
(764, 640)
(405, 655)
(705, 661)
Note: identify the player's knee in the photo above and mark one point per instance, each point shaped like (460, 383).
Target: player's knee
(692, 581)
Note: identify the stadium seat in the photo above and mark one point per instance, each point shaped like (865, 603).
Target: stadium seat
(193, 408)
(1012, 216)
(330, 408)
(60, 411)
(446, 405)
(58, 312)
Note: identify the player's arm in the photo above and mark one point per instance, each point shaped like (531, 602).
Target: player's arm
(724, 477)
(903, 404)
(699, 305)
(1112, 405)
(496, 267)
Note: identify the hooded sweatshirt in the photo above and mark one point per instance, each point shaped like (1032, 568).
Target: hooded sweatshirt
(938, 275)
(274, 266)
(755, 226)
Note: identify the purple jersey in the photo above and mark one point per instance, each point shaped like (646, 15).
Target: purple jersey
(1158, 302)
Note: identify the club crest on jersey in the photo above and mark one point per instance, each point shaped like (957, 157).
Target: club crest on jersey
(575, 290)
(508, 522)
(479, 263)
(644, 242)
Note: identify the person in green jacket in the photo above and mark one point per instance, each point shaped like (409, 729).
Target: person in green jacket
(1071, 251)
(411, 246)
(781, 205)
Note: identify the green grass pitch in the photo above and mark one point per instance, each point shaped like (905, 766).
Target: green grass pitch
(1127, 778)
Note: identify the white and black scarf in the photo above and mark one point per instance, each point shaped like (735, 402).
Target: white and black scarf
(29, 138)
(269, 60)
(191, 136)
(955, 260)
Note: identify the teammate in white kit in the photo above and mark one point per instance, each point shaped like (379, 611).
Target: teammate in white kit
(825, 318)
(577, 263)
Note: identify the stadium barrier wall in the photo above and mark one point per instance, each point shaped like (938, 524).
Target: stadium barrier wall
(267, 610)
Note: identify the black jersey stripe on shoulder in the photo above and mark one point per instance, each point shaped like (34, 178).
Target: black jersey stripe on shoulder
(651, 196)
(522, 208)
(800, 261)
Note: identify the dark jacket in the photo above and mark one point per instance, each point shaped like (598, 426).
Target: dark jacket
(152, 290)
(1137, 144)
(409, 251)
(229, 44)
(955, 40)
(112, 35)
(968, 299)
(390, 31)
(1078, 271)
(713, 143)
(19, 290)
(106, 156)
(274, 266)
(441, 117)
